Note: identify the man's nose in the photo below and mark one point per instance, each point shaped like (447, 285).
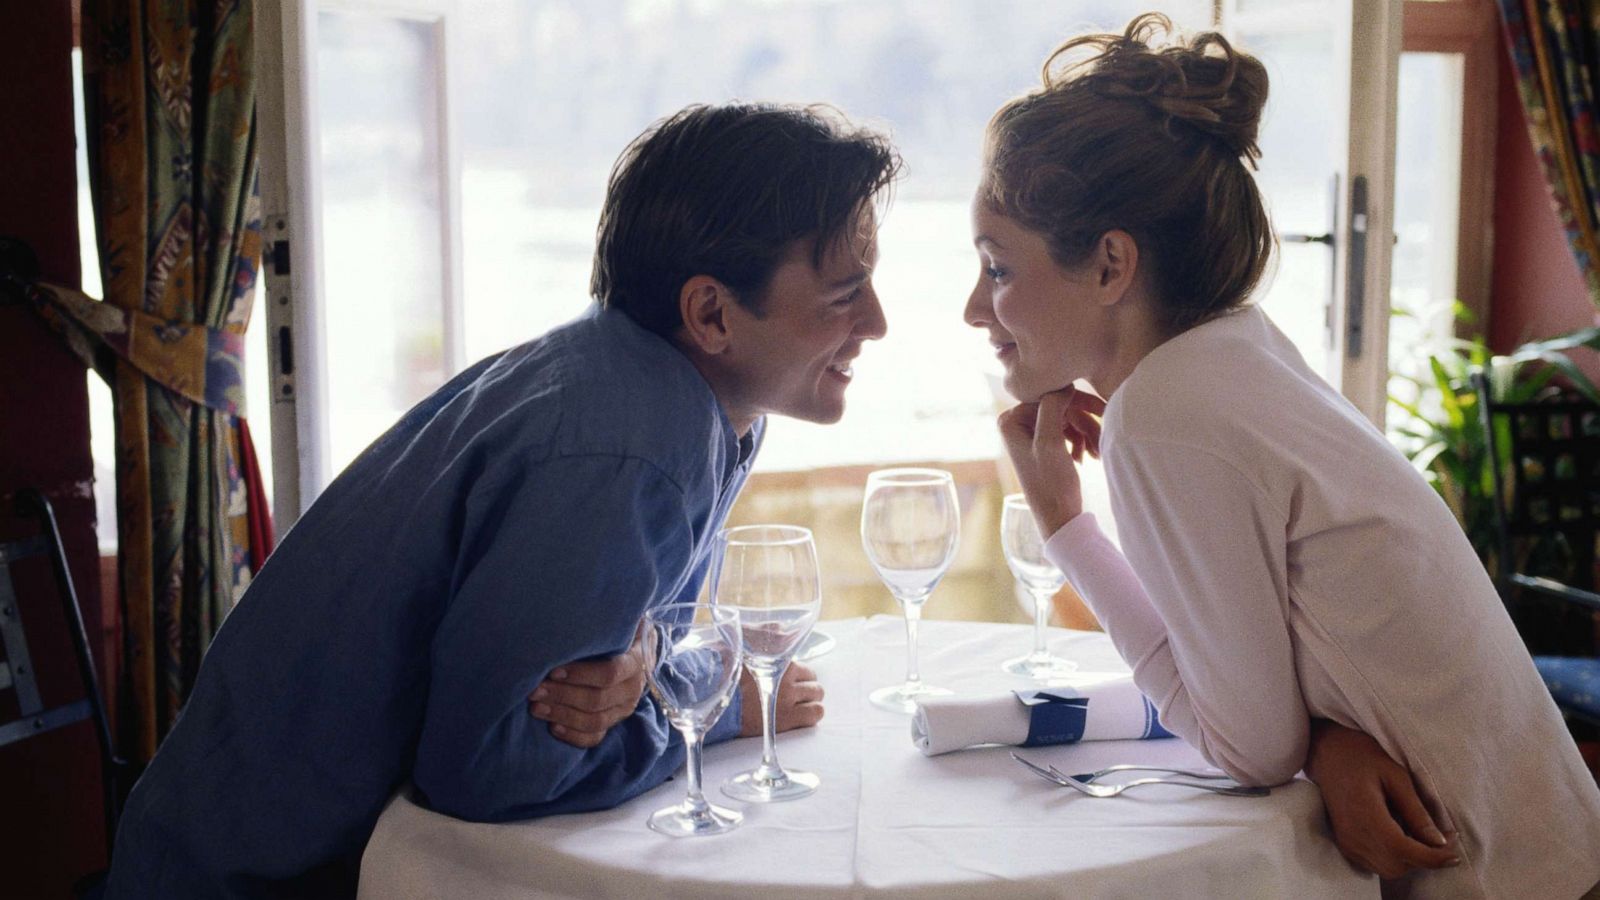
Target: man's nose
(873, 325)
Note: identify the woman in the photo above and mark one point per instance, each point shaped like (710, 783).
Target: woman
(1286, 569)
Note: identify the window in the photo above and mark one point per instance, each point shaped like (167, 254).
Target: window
(535, 151)
(1444, 177)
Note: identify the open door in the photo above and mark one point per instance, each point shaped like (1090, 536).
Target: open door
(361, 206)
(1327, 172)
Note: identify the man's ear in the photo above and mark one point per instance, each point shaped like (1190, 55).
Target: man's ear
(1116, 259)
(705, 304)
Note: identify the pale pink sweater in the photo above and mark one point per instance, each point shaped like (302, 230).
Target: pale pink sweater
(1283, 561)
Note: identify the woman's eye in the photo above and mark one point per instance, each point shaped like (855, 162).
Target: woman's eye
(994, 272)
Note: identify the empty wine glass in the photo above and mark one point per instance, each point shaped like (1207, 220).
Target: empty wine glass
(1024, 549)
(769, 574)
(692, 664)
(910, 525)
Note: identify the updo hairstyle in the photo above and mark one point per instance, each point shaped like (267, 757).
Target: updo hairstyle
(1148, 132)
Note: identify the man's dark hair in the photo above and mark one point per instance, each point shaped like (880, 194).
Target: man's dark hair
(724, 191)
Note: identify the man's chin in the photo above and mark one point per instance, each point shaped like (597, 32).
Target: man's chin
(820, 414)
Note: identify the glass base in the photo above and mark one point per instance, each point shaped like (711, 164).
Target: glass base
(1040, 667)
(683, 820)
(816, 644)
(902, 698)
(792, 785)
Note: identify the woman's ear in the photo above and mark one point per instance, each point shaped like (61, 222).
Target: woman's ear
(1116, 263)
(705, 303)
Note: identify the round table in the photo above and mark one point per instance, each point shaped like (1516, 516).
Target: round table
(888, 821)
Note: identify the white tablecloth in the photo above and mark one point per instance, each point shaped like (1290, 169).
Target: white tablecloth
(888, 821)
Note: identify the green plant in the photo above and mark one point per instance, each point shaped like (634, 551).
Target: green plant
(1438, 425)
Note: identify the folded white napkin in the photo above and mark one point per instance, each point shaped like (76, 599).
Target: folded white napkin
(1108, 711)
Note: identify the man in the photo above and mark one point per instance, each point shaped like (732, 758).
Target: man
(519, 521)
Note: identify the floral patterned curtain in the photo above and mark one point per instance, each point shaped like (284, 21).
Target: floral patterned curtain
(1554, 46)
(170, 97)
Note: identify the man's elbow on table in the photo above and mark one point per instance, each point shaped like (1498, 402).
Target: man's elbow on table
(523, 772)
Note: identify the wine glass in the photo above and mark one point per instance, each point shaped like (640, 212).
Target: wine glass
(910, 525)
(769, 574)
(692, 664)
(1024, 549)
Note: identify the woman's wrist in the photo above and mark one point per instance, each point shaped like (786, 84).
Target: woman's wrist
(1055, 517)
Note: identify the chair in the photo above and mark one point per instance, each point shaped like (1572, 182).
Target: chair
(17, 668)
(1546, 475)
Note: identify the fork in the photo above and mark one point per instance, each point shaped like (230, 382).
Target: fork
(1128, 767)
(1112, 790)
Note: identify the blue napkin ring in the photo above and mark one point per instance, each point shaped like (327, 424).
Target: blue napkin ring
(1053, 718)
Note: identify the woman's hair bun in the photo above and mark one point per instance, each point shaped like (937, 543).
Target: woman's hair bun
(1200, 82)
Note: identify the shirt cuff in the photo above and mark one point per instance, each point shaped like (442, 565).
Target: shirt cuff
(727, 726)
(1078, 545)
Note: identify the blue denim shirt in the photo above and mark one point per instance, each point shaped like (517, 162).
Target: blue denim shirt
(523, 516)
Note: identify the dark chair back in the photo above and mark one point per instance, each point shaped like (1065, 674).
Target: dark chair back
(17, 674)
(1545, 467)
(1546, 475)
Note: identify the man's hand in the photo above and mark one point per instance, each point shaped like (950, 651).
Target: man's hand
(1378, 819)
(583, 700)
(798, 703)
(1037, 436)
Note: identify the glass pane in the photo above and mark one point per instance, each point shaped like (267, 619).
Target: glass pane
(1427, 208)
(1427, 200)
(1302, 146)
(536, 158)
(258, 385)
(102, 416)
(378, 88)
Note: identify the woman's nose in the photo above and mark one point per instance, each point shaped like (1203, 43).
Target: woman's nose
(978, 312)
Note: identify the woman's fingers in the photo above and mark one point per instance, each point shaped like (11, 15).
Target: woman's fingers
(1050, 426)
(1083, 417)
(1403, 799)
(1016, 424)
(1084, 401)
(1424, 845)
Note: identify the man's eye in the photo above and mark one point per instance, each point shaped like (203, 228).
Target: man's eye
(848, 298)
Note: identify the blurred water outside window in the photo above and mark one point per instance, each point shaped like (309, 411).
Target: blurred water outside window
(548, 92)
(548, 95)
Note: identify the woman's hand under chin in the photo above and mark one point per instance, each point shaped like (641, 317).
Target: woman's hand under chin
(1046, 440)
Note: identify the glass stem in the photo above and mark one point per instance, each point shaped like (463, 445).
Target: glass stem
(696, 801)
(1041, 620)
(913, 609)
(767, 686)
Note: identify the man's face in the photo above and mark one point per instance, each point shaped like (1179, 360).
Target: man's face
(794, 359)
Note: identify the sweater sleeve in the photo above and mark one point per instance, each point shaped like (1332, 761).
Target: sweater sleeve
(1198, 605)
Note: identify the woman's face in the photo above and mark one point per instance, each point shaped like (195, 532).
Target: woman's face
(1047, 323)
